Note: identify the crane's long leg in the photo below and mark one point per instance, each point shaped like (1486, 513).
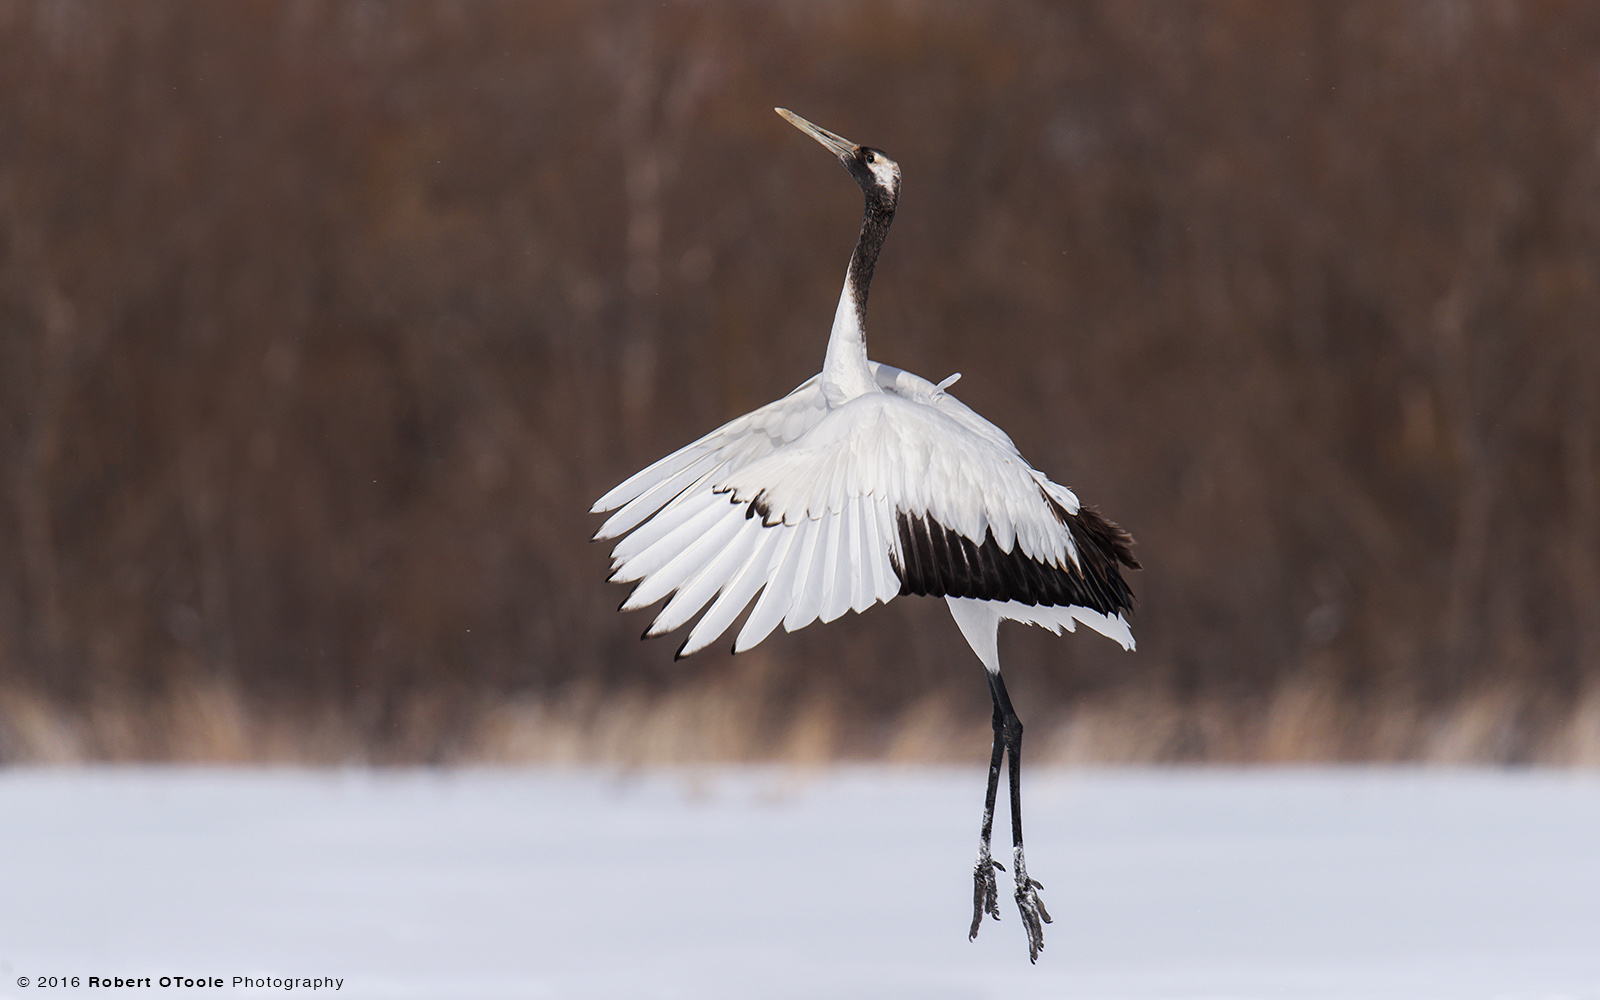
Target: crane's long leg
(985, 891)
(979, 622)
(1008, 740)
(1034, 915)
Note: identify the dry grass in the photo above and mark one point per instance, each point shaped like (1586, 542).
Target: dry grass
(729, 722)
(324, 324)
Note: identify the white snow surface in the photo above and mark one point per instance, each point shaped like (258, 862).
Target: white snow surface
(763, 882)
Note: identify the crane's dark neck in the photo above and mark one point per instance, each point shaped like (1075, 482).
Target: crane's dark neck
(846, 372)
(875, 220)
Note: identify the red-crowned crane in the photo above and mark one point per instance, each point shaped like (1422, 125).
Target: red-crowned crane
(864, 484)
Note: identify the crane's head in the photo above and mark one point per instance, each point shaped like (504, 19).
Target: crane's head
(878, 175)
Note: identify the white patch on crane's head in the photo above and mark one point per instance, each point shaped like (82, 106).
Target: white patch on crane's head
(885, 172)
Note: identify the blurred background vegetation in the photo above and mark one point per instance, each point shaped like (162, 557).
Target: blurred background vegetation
(323, 324)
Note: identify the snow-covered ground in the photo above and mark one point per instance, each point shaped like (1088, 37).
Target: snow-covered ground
(852, 882)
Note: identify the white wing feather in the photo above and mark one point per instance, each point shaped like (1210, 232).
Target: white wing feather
(776, 599)
(922, 460)
(740, 589)
(828, 485)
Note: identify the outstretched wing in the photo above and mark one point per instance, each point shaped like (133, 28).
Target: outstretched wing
(823, 511)
(679, 476)
(687, 537)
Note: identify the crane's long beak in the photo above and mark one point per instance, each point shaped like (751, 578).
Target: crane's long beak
(837, 145)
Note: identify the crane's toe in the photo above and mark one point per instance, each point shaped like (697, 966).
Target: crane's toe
(985, 892)
(1034, 915)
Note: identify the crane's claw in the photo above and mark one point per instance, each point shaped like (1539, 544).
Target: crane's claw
(1034, 915)
(985, 892)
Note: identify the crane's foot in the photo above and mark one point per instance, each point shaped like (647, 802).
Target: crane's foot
(985, 891)
(1034, 915)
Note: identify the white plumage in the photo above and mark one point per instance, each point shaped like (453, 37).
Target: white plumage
(833, 481)
(865, 483)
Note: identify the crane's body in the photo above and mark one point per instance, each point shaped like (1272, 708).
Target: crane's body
(863, 484)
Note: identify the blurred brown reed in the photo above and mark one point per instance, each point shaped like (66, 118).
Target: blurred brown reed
(321, 325)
